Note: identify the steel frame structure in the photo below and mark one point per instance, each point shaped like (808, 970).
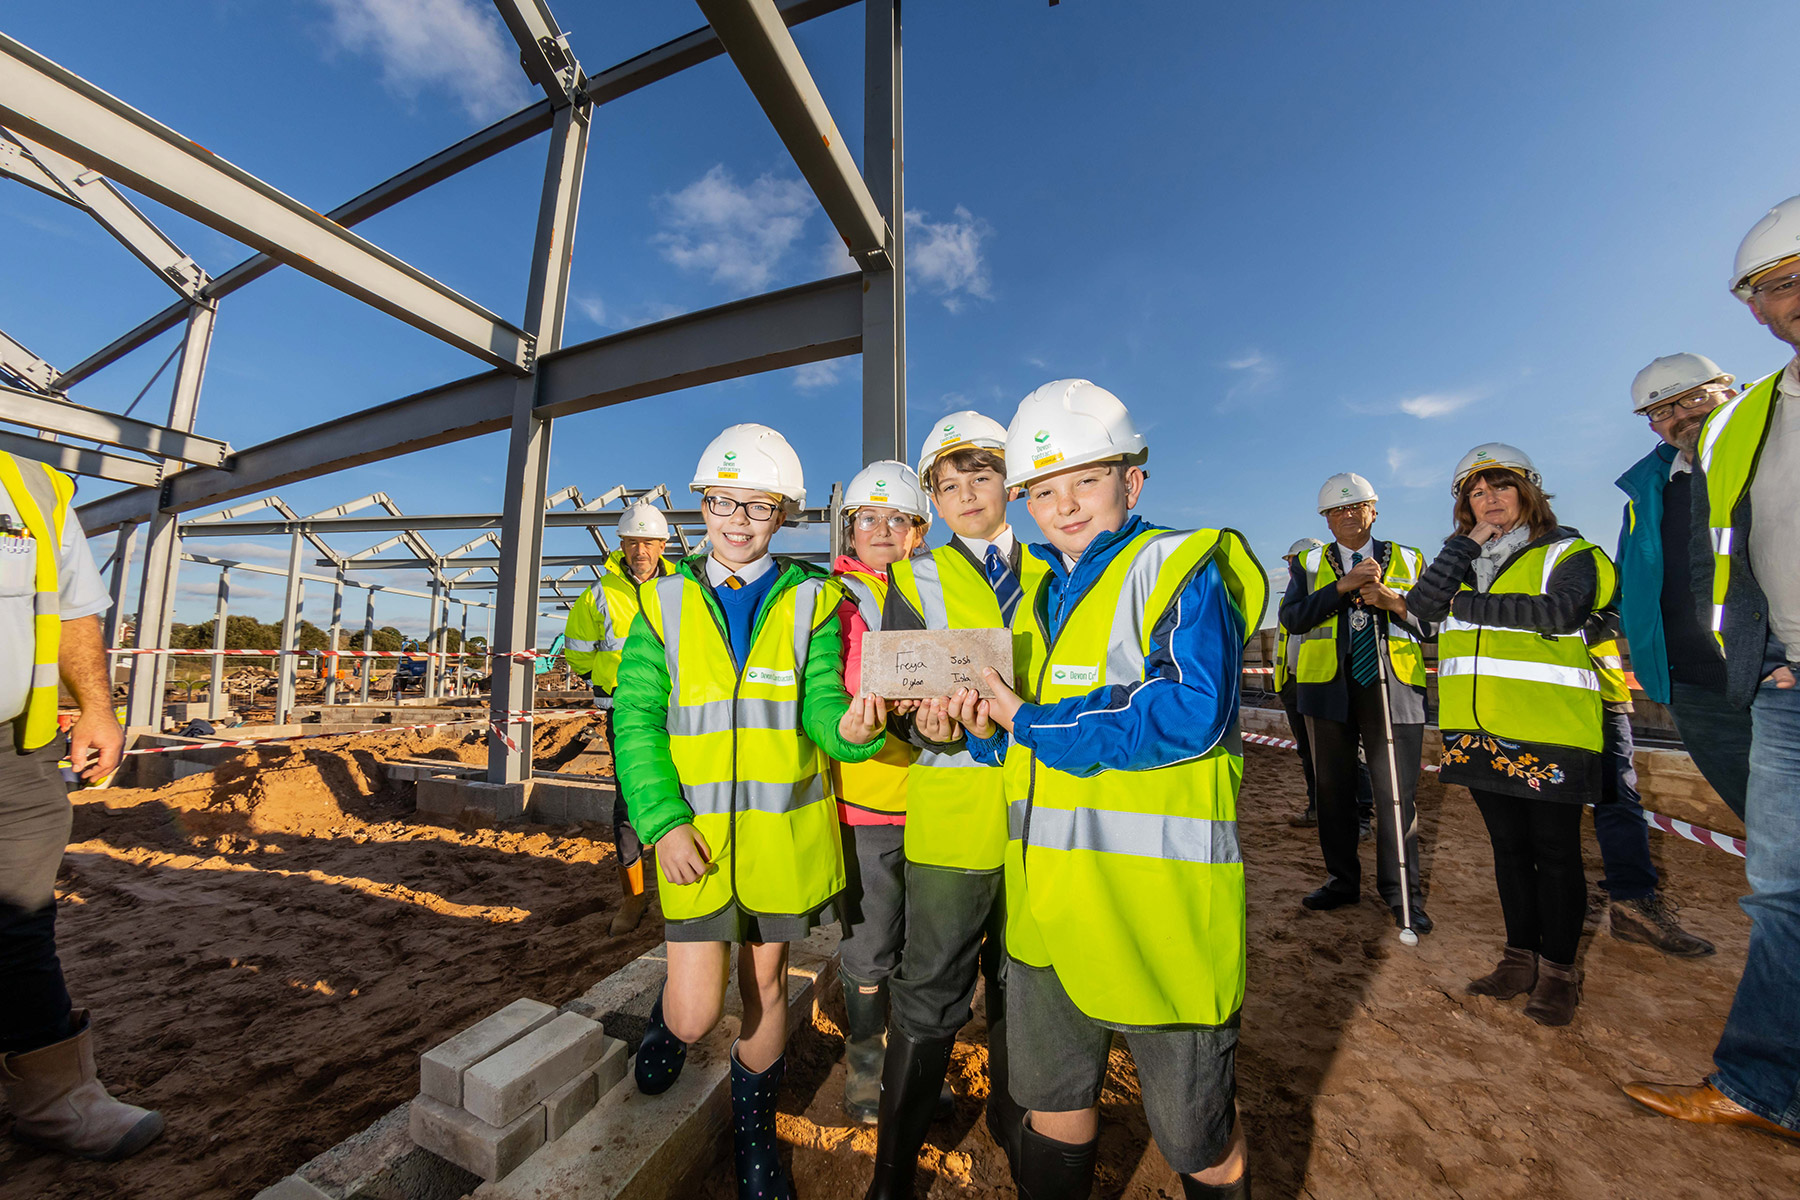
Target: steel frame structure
(69, 139)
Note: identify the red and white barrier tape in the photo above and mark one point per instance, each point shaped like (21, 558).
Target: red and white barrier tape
(517, 656)
(300, 737)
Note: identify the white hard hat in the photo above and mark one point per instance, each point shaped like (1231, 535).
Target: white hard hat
(1671, 375)
(1346, 487)
(890, 484)
(1492, 455)
(751, 456)
(1771, 240)
(1302, 546)
(1066, 424)
(957, 431)
(644, 520)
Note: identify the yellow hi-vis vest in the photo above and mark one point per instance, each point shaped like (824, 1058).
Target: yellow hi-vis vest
(1284, 654)
(41, 495)
(956, 808)
(1519, 684)
(760, 789)
(879, 784)
(1602, 636)
(1730, 443)
(1319, 648)
(600, 619)
(1130, 883)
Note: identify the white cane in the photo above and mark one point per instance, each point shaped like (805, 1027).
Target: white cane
(1407, 936)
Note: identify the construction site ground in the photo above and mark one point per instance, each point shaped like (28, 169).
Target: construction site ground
(268, 948)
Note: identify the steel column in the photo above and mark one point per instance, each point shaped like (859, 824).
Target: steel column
(528, 452)
(215, 692)
(121, 566)
(290, 634)
(368, 664)
(337, 626)
(434, 633)
(884, 288)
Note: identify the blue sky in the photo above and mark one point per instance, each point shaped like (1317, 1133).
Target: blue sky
(1294, 238)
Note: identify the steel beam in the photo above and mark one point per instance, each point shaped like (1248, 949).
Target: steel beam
(884, 289)
(75, 460)
(121, 569)
(61, 416)
(472, 564)
(47, 103)
(605, 518)
(759, 43)
(764, 333)
(543, 50)
(26, 367)
(215, 692)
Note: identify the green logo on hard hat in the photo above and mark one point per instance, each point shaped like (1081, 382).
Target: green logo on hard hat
(730, 454)
(950, 427)
(1043, 435)
(1343, 491)
(881, 483)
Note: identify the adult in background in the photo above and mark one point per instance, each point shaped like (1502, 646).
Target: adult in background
(50, 601)
(1520, 706)
(1340, 599)
(1747, 562)
(1286, 647)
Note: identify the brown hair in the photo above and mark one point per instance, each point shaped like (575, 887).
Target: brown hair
(965, 459)
(1534, 502)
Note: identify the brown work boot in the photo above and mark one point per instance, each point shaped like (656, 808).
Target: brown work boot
(1652, 921)
(1557, 993)
(1307, 819)
(1516, 974)
(58, 1103)
(1703, 1104)
(632, 898)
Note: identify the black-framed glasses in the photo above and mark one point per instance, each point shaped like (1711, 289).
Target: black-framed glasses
(756, 510)
(1708, 396)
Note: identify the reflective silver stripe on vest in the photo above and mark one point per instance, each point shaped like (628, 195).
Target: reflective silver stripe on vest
(668, 594)
(42, 490)
(753, 795)
(1143, 835)
(1512, 668)
(930, 583)
(579, 644)
(806, 597)
(1552, 555)
(1721, 541)
(1124, 646)
(695, 720)
(866, 602)
(962, 758)
(1721, 417)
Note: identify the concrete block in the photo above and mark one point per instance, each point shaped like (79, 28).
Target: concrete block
(510, 1081)
(489, 1151)
(441, 1068)
(291, 1188)
(566, 801)
(383, 1162)
(472, 800)
(571, 1102)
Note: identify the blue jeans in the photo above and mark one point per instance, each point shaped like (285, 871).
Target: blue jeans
(1717, 737)
(1619, 824)
(1758, 1056)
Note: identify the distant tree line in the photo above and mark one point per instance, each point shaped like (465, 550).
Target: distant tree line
(248, 633)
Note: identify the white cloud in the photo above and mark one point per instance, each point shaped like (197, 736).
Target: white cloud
(1410, 469)
(738, 234)
(1435, 404)
(944, 257)
(811, 376)
(459, 46)
(1255, 372)
(591, 307)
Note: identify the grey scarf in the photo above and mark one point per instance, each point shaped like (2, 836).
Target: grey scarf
(1497, 551)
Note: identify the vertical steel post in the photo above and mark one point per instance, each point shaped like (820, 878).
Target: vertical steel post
(368, 664)
(215, 692)
(121, 566)
(434, 633)
(884, 292)
(162, 549)
(337, 625)
(462, 649)
(288, 663)
(528, 452)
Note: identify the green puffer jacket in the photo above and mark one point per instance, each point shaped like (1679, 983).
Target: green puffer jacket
(644, 768)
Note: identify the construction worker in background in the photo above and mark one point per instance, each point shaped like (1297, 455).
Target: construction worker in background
(956, 811)
(1673, 654)
(1521, 708)
(1747, 487)
(1286, 645)
(593, 643)
(885, 520)
(730, 700)
(1343, 600)
(1125, 885)
(50, 600)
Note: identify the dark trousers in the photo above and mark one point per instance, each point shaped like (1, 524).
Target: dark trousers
(1717, 737)
(625, 838)
(35, 818)
(873, 902)
(1335, 767)
(955, 927)
(1619, 824)
(1302, 744)
(1537, 867)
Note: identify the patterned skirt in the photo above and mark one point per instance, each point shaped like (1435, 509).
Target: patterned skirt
(1535, 770)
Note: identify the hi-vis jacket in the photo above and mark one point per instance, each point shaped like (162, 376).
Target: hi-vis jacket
(879, 784)
(738, 749)
(1123, 872)
(1318, 618)
(956, 811)
(41, 495)
(594, 638)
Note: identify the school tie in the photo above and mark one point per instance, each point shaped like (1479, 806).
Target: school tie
(1362, 643)
(1005, 583)
(733, 582)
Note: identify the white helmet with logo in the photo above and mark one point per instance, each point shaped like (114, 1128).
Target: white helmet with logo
(1492, 455)
(644, 520)
(751, 456)
(1069, 423)
(1671, 375)
(1302, 546)
(959, 431)
(1345, 488)
(890, 484)
(1772, 240)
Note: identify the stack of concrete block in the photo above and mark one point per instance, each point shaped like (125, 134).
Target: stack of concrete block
(499, 1090)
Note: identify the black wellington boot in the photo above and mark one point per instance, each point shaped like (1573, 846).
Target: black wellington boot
(910, 1079)
(865, 1046)
(1237, 1189)
(660, 1056)
(755, 1148)
(1053, 1170)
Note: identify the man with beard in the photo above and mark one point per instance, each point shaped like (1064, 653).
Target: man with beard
(1672, 653)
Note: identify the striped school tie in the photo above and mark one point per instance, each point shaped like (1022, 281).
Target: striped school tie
(1005, 583)
(1362, 644)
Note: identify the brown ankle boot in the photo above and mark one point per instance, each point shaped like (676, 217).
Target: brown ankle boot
(1557, 993)
(59, 1104)
(1516, 975)
(632, 900)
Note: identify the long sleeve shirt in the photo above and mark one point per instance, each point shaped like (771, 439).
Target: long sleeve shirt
(1186, 702)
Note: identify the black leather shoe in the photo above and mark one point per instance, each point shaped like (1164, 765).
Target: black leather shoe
(754, 1146)
(1422, 923)
(910, 1080)
(660, 1056)
(1325, 899)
